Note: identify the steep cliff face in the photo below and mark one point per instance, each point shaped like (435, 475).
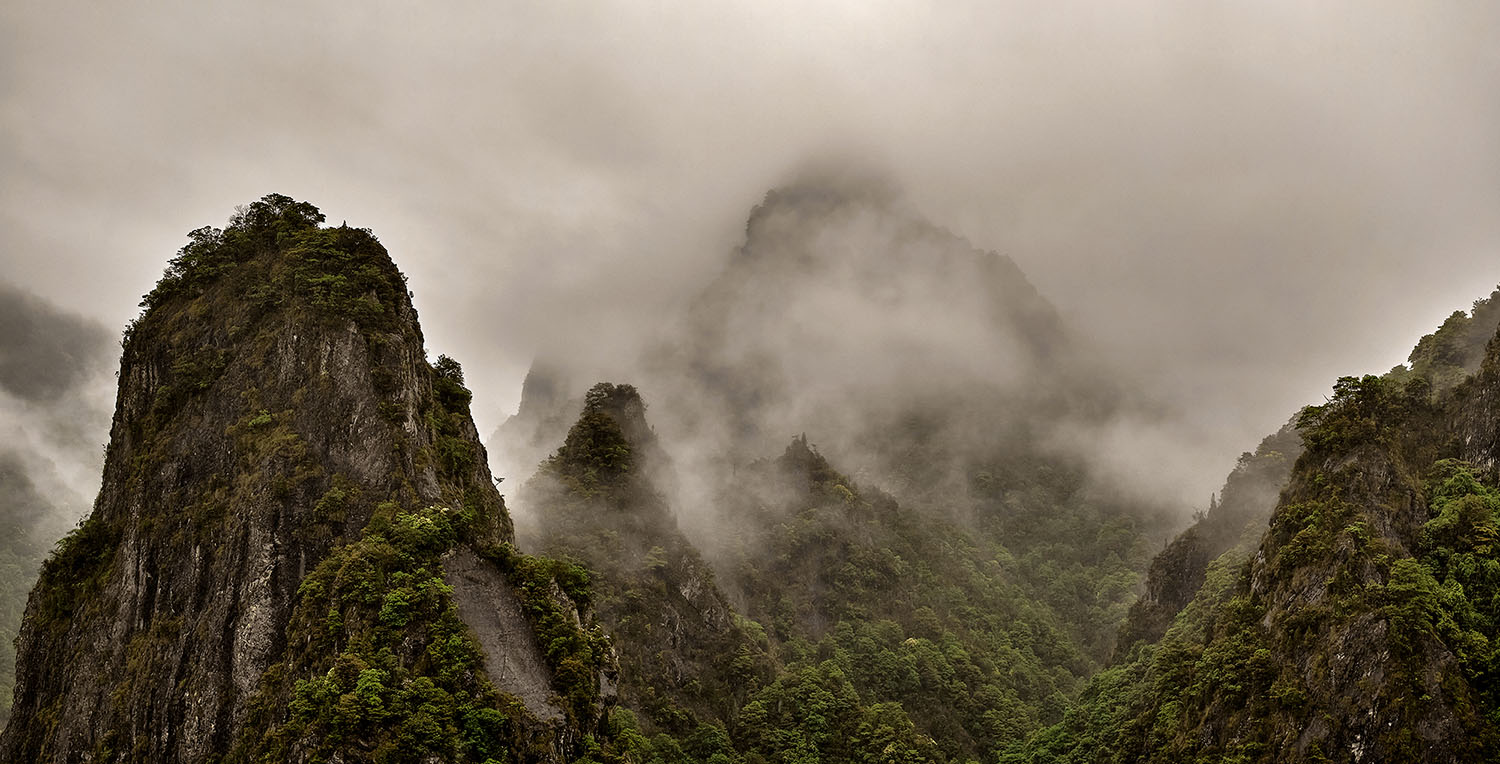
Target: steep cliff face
(1477, 423)
(1350, 635)
(284, 474)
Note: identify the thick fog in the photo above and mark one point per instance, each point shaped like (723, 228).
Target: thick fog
(1233, 202)
(56, 388)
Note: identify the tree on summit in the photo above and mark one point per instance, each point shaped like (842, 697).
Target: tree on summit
(274, 208)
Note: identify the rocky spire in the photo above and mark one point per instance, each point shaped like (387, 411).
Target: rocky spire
(276, 419)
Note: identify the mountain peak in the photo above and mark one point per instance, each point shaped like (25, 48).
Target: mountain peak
(826, 190)
(278, 428)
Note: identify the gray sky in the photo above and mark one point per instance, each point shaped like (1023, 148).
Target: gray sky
(1238, 201)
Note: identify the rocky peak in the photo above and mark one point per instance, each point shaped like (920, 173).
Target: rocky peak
(606, 473)
(276, 414)
(1477, 423)
(597, 499)
(609, 447)
(549, 403)
(624, 406)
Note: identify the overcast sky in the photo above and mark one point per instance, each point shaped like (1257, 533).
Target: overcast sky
(1238, 201)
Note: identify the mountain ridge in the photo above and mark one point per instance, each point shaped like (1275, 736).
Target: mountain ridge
(299, 552)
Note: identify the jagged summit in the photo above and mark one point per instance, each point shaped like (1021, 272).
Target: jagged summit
(847, 315)
(609, 462)
(623, 405)
(285, 481)
(597, 499)
(853, 256)
(550, 399)
(913, 357)
(819, 195)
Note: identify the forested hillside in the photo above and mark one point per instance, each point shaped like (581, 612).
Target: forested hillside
(1360, 626)
(957, 592)
(1345, 568)
(840, 624)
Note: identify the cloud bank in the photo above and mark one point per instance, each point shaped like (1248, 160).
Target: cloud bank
(56, 391)
(1235, 202)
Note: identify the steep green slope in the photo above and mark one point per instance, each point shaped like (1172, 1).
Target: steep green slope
(977, 642)
(686, 659)
(1361, 627)
(860, 630)
(1235, 518)
(698, 681)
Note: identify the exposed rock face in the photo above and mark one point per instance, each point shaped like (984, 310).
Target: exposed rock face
(1354, 681)
(1477, 424)
(274, 398)
(512, 659)
(1358, 597)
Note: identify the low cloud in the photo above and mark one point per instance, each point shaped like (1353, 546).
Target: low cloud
(1235, 202)
(57, 392)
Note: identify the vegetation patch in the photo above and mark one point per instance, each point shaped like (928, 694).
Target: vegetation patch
(381, 664)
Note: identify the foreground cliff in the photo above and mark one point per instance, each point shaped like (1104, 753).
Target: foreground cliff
(297, 553)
